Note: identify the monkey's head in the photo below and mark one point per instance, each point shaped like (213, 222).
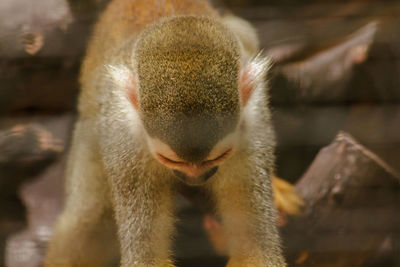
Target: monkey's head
(189, 87)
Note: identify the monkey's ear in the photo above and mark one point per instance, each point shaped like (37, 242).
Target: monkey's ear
(251, 76)
(124, 78)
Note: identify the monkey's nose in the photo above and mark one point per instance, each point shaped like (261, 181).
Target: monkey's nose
(196, 180)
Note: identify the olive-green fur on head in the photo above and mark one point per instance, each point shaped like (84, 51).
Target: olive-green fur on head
(188, 70)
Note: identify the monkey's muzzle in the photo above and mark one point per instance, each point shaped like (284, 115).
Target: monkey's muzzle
(196, 180)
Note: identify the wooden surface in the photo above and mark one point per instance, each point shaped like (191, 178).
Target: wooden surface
(350, 217)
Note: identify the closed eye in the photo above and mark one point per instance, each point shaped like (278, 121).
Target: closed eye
(219, 158)
(175, 163)
(168, 161)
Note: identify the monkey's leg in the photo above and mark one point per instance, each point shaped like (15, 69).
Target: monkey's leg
(143, 211)
(245, 206)
(85, 234)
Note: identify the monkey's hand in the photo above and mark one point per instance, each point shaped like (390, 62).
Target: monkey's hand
(286, 199)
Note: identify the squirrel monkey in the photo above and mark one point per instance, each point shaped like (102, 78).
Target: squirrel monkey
(171, 94)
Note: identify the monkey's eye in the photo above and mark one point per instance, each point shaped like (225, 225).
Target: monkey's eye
(206, 163)
(219, 158)
(169, 161)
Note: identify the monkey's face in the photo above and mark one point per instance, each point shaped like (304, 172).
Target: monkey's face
(193, 172)
(189, 91)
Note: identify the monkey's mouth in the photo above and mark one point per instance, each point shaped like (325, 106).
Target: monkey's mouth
(196, 181)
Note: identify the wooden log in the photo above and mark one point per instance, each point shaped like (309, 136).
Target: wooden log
(323, 76)
(302, 131)
(351, 215)
(25, 149)
(40, 51)
(30, 148)
(43, 198)
(28, 144)
(326, 53)
(33, 83)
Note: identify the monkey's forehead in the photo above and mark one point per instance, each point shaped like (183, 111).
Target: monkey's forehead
(195, 70)
(198, 85)
(176, 32)
(187, 63)
(190, 97)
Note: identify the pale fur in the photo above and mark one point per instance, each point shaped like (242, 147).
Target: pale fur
(243, 188)
(118, 193)
(246, 34)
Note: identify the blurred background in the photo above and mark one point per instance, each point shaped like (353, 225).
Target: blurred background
(335, 99)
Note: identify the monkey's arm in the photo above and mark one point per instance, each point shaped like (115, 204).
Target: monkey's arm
(84, 234)
(142, 211)
(286, 198)
(245, 205)
(141, 195)
(143, 214)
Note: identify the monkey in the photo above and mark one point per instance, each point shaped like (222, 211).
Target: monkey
(172, 95)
